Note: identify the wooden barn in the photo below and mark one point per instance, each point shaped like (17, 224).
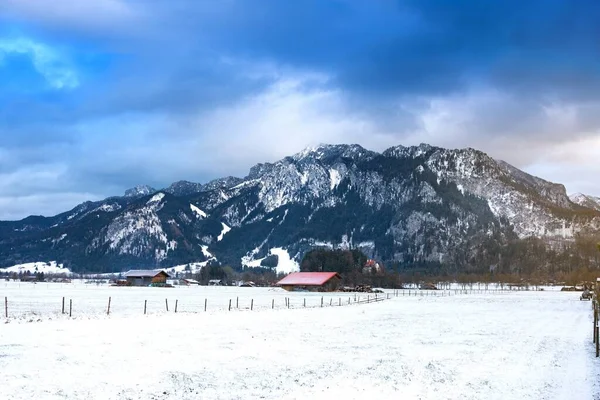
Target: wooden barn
(313, 281)
(146, 277)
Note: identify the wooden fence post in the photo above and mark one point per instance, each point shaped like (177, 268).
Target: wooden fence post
(167, 304)
(595, 323)
(70, 307)
(145, 306)
(63, 305)
(330, 302)
(6, 306)
(237, 302)
(252, 305)
(597, 343)
(305, 302)
(176, 302)
(273, 304)
(339, 301)
(205, 303)
(321, 301)
(108, 309)
(229, 304)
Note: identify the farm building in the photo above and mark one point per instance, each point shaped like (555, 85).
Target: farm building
(314, 281)
(146, 277)
(29, 278)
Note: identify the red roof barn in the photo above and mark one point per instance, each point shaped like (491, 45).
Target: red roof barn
(319, 281)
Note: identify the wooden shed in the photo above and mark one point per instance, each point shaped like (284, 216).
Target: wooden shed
(146, 277)
(313, 281)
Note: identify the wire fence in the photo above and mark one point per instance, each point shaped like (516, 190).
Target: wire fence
(41, 303)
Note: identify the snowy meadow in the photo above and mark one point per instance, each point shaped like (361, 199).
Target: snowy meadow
(492, 345)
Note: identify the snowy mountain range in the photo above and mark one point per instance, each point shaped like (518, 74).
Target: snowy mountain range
(412, 207)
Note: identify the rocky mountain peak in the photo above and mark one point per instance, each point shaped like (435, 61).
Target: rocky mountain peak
(587, 201)
(139, 191)
(184, 188)
(333, 152)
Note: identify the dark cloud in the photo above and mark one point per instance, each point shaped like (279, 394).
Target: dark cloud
(417, 46)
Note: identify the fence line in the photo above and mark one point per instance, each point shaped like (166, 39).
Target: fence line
(115, 306)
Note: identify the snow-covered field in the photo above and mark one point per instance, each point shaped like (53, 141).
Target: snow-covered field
(507, 345)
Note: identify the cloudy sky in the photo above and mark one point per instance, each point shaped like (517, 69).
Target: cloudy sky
(98, 96)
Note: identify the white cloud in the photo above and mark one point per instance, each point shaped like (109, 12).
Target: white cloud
(284, 119)
(32, 178)
(47, 61)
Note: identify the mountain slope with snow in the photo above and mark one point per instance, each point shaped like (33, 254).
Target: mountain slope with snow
(51, 267)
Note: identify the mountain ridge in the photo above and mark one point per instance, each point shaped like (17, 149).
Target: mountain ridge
(419, 206)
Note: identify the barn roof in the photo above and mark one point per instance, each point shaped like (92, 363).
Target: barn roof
(308, 278)
(145, 273)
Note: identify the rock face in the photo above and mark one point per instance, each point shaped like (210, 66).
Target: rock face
(420, 206)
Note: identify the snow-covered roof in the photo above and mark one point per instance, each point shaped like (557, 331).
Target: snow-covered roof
(145, 273)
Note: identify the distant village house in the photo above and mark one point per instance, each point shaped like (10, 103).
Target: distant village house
(146, 277)
(371, 267)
